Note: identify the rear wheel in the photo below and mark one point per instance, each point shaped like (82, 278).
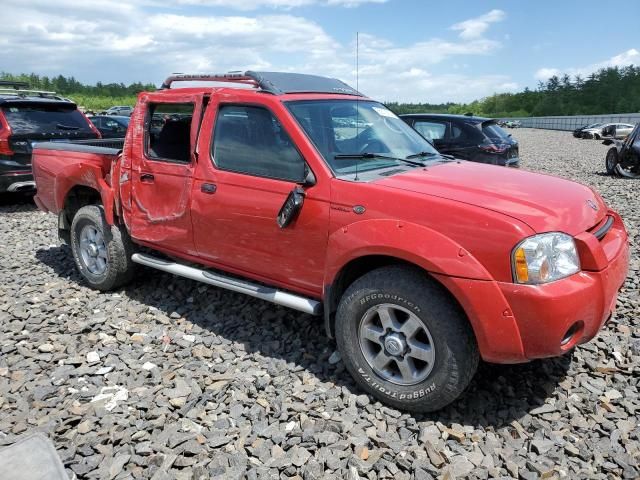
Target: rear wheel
(404, 340)
(611, 160)
(102, 252)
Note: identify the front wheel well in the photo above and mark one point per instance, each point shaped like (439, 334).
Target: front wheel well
(355, 269)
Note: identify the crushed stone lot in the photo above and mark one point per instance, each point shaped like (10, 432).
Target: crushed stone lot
(171, 379)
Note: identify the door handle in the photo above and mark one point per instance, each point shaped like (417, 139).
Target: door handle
(209, 188)
(146, 178)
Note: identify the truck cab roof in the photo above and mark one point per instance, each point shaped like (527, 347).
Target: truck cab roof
(275, 83)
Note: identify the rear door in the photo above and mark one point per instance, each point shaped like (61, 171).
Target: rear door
(464, 140)
(163, 162)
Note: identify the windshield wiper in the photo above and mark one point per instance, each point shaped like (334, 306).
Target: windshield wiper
(430, 154)
(376, 156)
(67, 127)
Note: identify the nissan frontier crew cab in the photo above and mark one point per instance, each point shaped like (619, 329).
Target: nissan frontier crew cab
(299, 190)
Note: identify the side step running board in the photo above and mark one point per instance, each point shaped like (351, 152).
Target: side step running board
(269, 294)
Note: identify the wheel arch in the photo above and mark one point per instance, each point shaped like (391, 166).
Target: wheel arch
(360, 266)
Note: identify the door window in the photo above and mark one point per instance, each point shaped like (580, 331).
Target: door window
(251, 140)
(168, 132)
(431, 130)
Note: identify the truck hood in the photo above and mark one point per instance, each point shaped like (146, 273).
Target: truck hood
(543, 202)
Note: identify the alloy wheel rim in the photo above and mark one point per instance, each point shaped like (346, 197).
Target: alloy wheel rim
(396, 344)
(93, 250)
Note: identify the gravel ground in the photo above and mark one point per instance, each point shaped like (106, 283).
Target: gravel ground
(168, 378)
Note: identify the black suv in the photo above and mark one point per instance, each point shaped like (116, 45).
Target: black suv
(28, 116)
(466, 137)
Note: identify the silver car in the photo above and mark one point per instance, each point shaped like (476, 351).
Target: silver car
(608, 130)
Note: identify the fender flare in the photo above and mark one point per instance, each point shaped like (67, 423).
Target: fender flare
(86, 175)
(432, 251)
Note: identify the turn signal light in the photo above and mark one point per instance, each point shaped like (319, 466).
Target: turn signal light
(521, 269)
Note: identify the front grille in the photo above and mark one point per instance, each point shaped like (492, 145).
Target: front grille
(600, 230)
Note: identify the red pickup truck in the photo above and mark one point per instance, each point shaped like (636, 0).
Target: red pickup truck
(298, 190)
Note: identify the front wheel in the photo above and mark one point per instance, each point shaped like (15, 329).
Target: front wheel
(102, 252)
(404, 340)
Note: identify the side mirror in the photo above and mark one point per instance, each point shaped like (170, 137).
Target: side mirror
(291, 207)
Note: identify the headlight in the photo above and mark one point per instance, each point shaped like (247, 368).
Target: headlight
(544, 258)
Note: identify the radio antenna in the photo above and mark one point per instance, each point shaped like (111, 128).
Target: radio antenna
(357, 98)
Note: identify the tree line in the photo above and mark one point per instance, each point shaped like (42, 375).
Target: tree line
(609, 90)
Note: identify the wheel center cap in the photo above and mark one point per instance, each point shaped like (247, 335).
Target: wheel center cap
(394, 344)
(93, 250)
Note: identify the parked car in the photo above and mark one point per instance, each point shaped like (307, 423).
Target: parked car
(513, 124)
(420, 264)
(617, 130)
(624, 157)
(119, 110)
(112, 126)
(27, 116)
(578, 131)
(477, 139)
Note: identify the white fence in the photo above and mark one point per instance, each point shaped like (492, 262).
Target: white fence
(573, 122)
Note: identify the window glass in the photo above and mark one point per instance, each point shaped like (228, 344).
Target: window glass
(431, 130)
(169, 132)
(251, 140)
(45, 118)
(494, 132)
(345, 130)
(465, 134)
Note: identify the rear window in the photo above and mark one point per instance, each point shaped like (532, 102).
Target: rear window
(494, 131)
(25, 119)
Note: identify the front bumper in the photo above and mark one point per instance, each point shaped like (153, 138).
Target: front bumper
(516, 323)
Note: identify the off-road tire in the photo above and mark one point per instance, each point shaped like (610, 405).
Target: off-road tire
(611, 161)
(456, 351)
(119, 248)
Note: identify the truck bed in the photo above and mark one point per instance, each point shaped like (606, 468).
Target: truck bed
(60, 166)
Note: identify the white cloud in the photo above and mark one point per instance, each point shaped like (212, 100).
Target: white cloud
(282, 4)
(115, 42)
(475, 27)
(628, 57)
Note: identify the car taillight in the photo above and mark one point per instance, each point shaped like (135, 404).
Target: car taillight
(493, 148)
(5, 148)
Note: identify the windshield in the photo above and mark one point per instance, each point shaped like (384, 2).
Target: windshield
(344, 129)
(28, 119)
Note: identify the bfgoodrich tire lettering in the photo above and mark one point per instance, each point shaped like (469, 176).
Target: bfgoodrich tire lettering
(454, 345)
(115, 267)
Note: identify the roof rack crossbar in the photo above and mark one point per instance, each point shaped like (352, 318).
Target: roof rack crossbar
(232, 77)
(23, 93)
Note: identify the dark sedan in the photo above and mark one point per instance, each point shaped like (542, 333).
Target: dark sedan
(111, 126)
(471, 138)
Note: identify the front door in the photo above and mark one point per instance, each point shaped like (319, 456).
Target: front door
(163, 162)
(252, 167)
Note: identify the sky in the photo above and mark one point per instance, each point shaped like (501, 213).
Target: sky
(409, 50)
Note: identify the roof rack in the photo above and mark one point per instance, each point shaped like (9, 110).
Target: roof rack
(277, 83)
(11, 83)
(30, 93)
